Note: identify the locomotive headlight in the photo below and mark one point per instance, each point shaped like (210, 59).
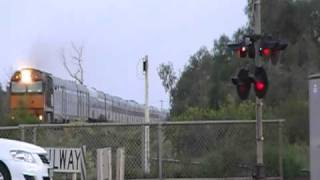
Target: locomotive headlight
(40, 117)
(26, 76)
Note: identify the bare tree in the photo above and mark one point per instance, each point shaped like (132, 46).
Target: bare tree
(76, 58)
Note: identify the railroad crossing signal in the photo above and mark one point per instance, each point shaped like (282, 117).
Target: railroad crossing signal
(261, 83)
(243, 83)
(145, 65)
(269, 47)
(244, 49)
(244, 79)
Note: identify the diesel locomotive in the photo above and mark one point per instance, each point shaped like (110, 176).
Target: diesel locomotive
(54, 100)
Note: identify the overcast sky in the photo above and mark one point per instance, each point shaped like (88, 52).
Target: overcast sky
(115, 34)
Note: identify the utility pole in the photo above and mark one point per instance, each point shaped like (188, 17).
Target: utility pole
(146, 145)
(161, 101)
(260, 170)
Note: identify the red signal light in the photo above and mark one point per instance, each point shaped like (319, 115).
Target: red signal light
(266, 52)
(260, 86)
(260, 82)
(243, 49)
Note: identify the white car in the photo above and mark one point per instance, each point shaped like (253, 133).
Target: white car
(23, 161)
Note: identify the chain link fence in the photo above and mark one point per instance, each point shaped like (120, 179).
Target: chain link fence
(198, 149)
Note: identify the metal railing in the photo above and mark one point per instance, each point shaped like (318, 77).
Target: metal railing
(197, 149)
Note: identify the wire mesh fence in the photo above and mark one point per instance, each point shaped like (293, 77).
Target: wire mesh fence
(198, 149)
(10, 132)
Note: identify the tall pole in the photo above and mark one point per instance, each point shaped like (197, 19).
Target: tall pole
(146, 154)
(161, 101)
(260, 170)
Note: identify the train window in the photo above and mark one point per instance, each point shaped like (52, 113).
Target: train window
(18, 88)
(35, 87)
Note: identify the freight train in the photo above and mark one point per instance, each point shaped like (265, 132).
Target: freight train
(54, 100)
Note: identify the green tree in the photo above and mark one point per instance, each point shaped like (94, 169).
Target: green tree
(204, 89)
(205, 82)
(167, 75)
(4, 107)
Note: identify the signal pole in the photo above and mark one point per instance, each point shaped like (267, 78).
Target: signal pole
(258, 47)
(146, 144)
(260, 170)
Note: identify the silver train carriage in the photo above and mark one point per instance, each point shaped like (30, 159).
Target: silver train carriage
(61, 101)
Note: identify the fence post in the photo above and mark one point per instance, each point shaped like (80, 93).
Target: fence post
(74, 176)
(104, 166)
(120, 164)
(83, 163)
(34, 133)
(160, 150)
(22, 131)
(281, 149)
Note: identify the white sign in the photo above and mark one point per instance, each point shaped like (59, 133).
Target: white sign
(65, 159)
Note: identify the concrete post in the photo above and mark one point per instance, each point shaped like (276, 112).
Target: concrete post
(120, 164)
(281, 150)
(160, 151)
(104, 166)
(314, 114)
(259, 103)
(146, 144)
